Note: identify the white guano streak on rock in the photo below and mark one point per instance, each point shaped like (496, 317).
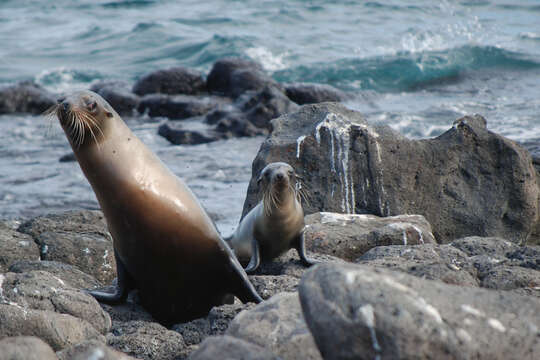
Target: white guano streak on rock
(368, 316)
(330, 217)
(496, 324)
(96, 354)
(339, 131)
(298, 145)
(2, 277)
(421, 237)
(105, 262)
(470, 310)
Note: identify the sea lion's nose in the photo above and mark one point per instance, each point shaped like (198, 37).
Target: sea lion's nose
(60, 100)
(65, 106)
(279, 176)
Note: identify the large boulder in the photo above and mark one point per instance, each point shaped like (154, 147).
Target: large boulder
(348, 236)
(278, 325)
(15, 246)
(228, 347)
(234, 76)
(467, 181)
(118, 94)
(172, 81)
(25, 97)
(306, 93)
(357, 312)
(25, 348)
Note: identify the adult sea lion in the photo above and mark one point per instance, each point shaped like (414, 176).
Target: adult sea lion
(165, 244)
(276, 224)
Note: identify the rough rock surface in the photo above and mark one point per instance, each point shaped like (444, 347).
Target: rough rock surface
(278, 325)
(467, 181)
(357, 312)
(25, 97)
(41, 290)
(264, 105)
(78, 238)
(15, 246)
(91, 350)
(228, 347)
(25, 348)
(176, 80)
(234, 76)
(349, 236)
(118, 94)
(306, 93)
(146, 340)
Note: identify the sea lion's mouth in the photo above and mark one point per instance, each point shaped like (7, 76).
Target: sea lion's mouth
(78, 123)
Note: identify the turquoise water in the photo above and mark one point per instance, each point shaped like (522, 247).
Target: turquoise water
(415, 65)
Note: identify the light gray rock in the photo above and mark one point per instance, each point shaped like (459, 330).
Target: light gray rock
(348, 165)
(228, 347)
(41, 290)
(357, 312)
(57, 330)
(91, 350)
(348, 236)
(278, 325)
(15, 246)
(25, 348)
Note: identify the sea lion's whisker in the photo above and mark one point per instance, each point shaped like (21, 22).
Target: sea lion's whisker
(49, 115)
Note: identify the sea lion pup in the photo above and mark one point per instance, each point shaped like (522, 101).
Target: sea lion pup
(276, 224)
(165, 244)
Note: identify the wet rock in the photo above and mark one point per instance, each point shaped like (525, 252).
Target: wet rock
(57, 330)
(41, 290)
(91, 349)
(25, 348)
(215, 323)
(228, 347)
(349, 236)
(14, 246)
(305, 93)
(118, 94)
(78, 238)
(178, 135)
(359, 312)
(234, 76)
(350, 166)
(69, 274)
(264, 105)
(176, 80)
(25, 97)
(178, 107)
(147, 340)
(278, 325)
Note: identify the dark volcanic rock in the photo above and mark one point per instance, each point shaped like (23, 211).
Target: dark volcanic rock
(177, 135)
(468, 181)
(349, 236)
(233, 76)
(147, 340)
(178, 107)
(270, 285)
(176, 80)
(278, 325)
(228, 347)
(15, 246)
(25, 348)
(57, 330)
(264, 105)
(25, 97)
(360, 312)
(41, 290)
(78, 238)
(91, 350)
(68, 158)
(305, 93)
(118, 94)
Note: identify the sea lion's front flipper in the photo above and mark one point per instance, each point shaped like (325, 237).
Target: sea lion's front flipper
(300, 247)
(255, 260)
(243, 288)
(123, 286)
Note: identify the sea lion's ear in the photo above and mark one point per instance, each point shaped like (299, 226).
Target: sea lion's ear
(109, 114)
(259, 179)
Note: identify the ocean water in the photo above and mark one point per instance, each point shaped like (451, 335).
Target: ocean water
(414, 65)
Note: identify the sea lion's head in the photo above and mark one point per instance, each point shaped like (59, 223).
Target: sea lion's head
(278, 183)
(83, 116)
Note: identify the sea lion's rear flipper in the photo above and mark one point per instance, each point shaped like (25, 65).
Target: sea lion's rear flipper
(300, 247)
(123, 286)
(255, 260)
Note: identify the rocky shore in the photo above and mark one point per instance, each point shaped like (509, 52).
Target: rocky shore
(427, 248)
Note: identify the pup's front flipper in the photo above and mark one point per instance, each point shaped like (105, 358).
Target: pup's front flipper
(300, 247)
(255, 260)
(123, 286)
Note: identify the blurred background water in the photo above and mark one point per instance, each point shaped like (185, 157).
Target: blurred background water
(414, 65)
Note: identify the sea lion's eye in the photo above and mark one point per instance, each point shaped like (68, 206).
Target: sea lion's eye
(92, 106)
